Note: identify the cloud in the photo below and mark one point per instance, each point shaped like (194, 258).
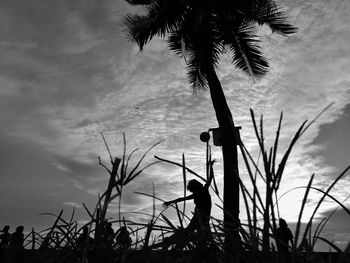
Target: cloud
(32, 185)
(337, 227)
(68, 73)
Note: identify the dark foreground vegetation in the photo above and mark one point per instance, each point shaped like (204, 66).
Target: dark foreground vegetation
(96, 241)
(208, 255)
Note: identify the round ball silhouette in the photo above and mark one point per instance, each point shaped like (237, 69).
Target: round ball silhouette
(205, 136)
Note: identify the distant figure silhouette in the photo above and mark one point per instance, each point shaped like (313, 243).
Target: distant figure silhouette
(108, 234)
(283, 237)
(305, 247)
(202, 200)
(84, 240)
(16, 244)
(5, 238)
(123, 239)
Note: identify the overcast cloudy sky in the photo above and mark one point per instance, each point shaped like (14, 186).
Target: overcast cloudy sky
(67, 73)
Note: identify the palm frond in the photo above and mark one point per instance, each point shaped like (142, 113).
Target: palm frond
(162, 17)
(195, 72)
(267, 12)
(203, 55)
(177, 44)
(247, 55)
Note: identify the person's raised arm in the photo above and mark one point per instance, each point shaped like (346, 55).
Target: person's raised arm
(189, 197)
(211, 174)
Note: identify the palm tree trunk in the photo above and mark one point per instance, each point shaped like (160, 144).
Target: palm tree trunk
(229, 148)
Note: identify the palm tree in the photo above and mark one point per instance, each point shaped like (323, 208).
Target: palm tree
(200, 31)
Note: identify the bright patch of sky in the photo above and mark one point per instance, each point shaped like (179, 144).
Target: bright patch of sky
(68, 73)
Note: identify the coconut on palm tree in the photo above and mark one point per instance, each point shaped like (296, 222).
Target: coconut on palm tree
(204, 30)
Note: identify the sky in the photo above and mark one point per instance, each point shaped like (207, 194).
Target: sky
(67, 73)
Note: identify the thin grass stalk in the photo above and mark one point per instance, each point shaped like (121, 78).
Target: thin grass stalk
(282, 164)
(254, 218)
(141, 159)
(168, 222)
(130, 178)
(123, 170)
(318, 231)
(47, 238)
(256, 129)
(119, 204)
(273, 191)
(266, 242)
(297, 230)
(317, 117)
(273, 168)
(109, 152)
(88, 211)
(211, 170)
(267, 225)
(185, 184)
(33, 239)
(331, 244)
(251, 230)
(151, 223)
(162, 200)
(180, 165)
(252, 179)
(125, 167)
(111, 184)
(275, 147)
(252, 200)
(277, 206)
(179, 215)
(72, 215)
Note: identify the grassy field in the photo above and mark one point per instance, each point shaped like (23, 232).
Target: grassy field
(62, 242)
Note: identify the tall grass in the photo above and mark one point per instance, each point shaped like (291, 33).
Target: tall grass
(151, 240)
(271, 173)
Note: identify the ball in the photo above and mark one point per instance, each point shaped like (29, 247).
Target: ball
(205, 136)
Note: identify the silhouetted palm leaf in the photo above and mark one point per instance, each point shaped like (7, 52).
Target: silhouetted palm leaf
(206, 29)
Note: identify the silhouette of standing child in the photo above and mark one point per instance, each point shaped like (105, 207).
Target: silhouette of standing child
(108, 235)
(16, 244)
(84, 240)
(283, 237)
(5, 238)
(123, 239)
(202, 200)
(4, 242)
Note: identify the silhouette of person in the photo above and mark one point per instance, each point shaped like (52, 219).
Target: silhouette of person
(16, 244)
(123, 239)
(123, 243)
(283, 236)
(108, 234)
(4, 242)
(305, 246)
(202, 200)
(84, 240)
(5, 238)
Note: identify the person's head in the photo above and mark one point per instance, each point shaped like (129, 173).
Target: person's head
(283, 223)
(19, 229)
(194, 186)
(85, 229)
(6, 229)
